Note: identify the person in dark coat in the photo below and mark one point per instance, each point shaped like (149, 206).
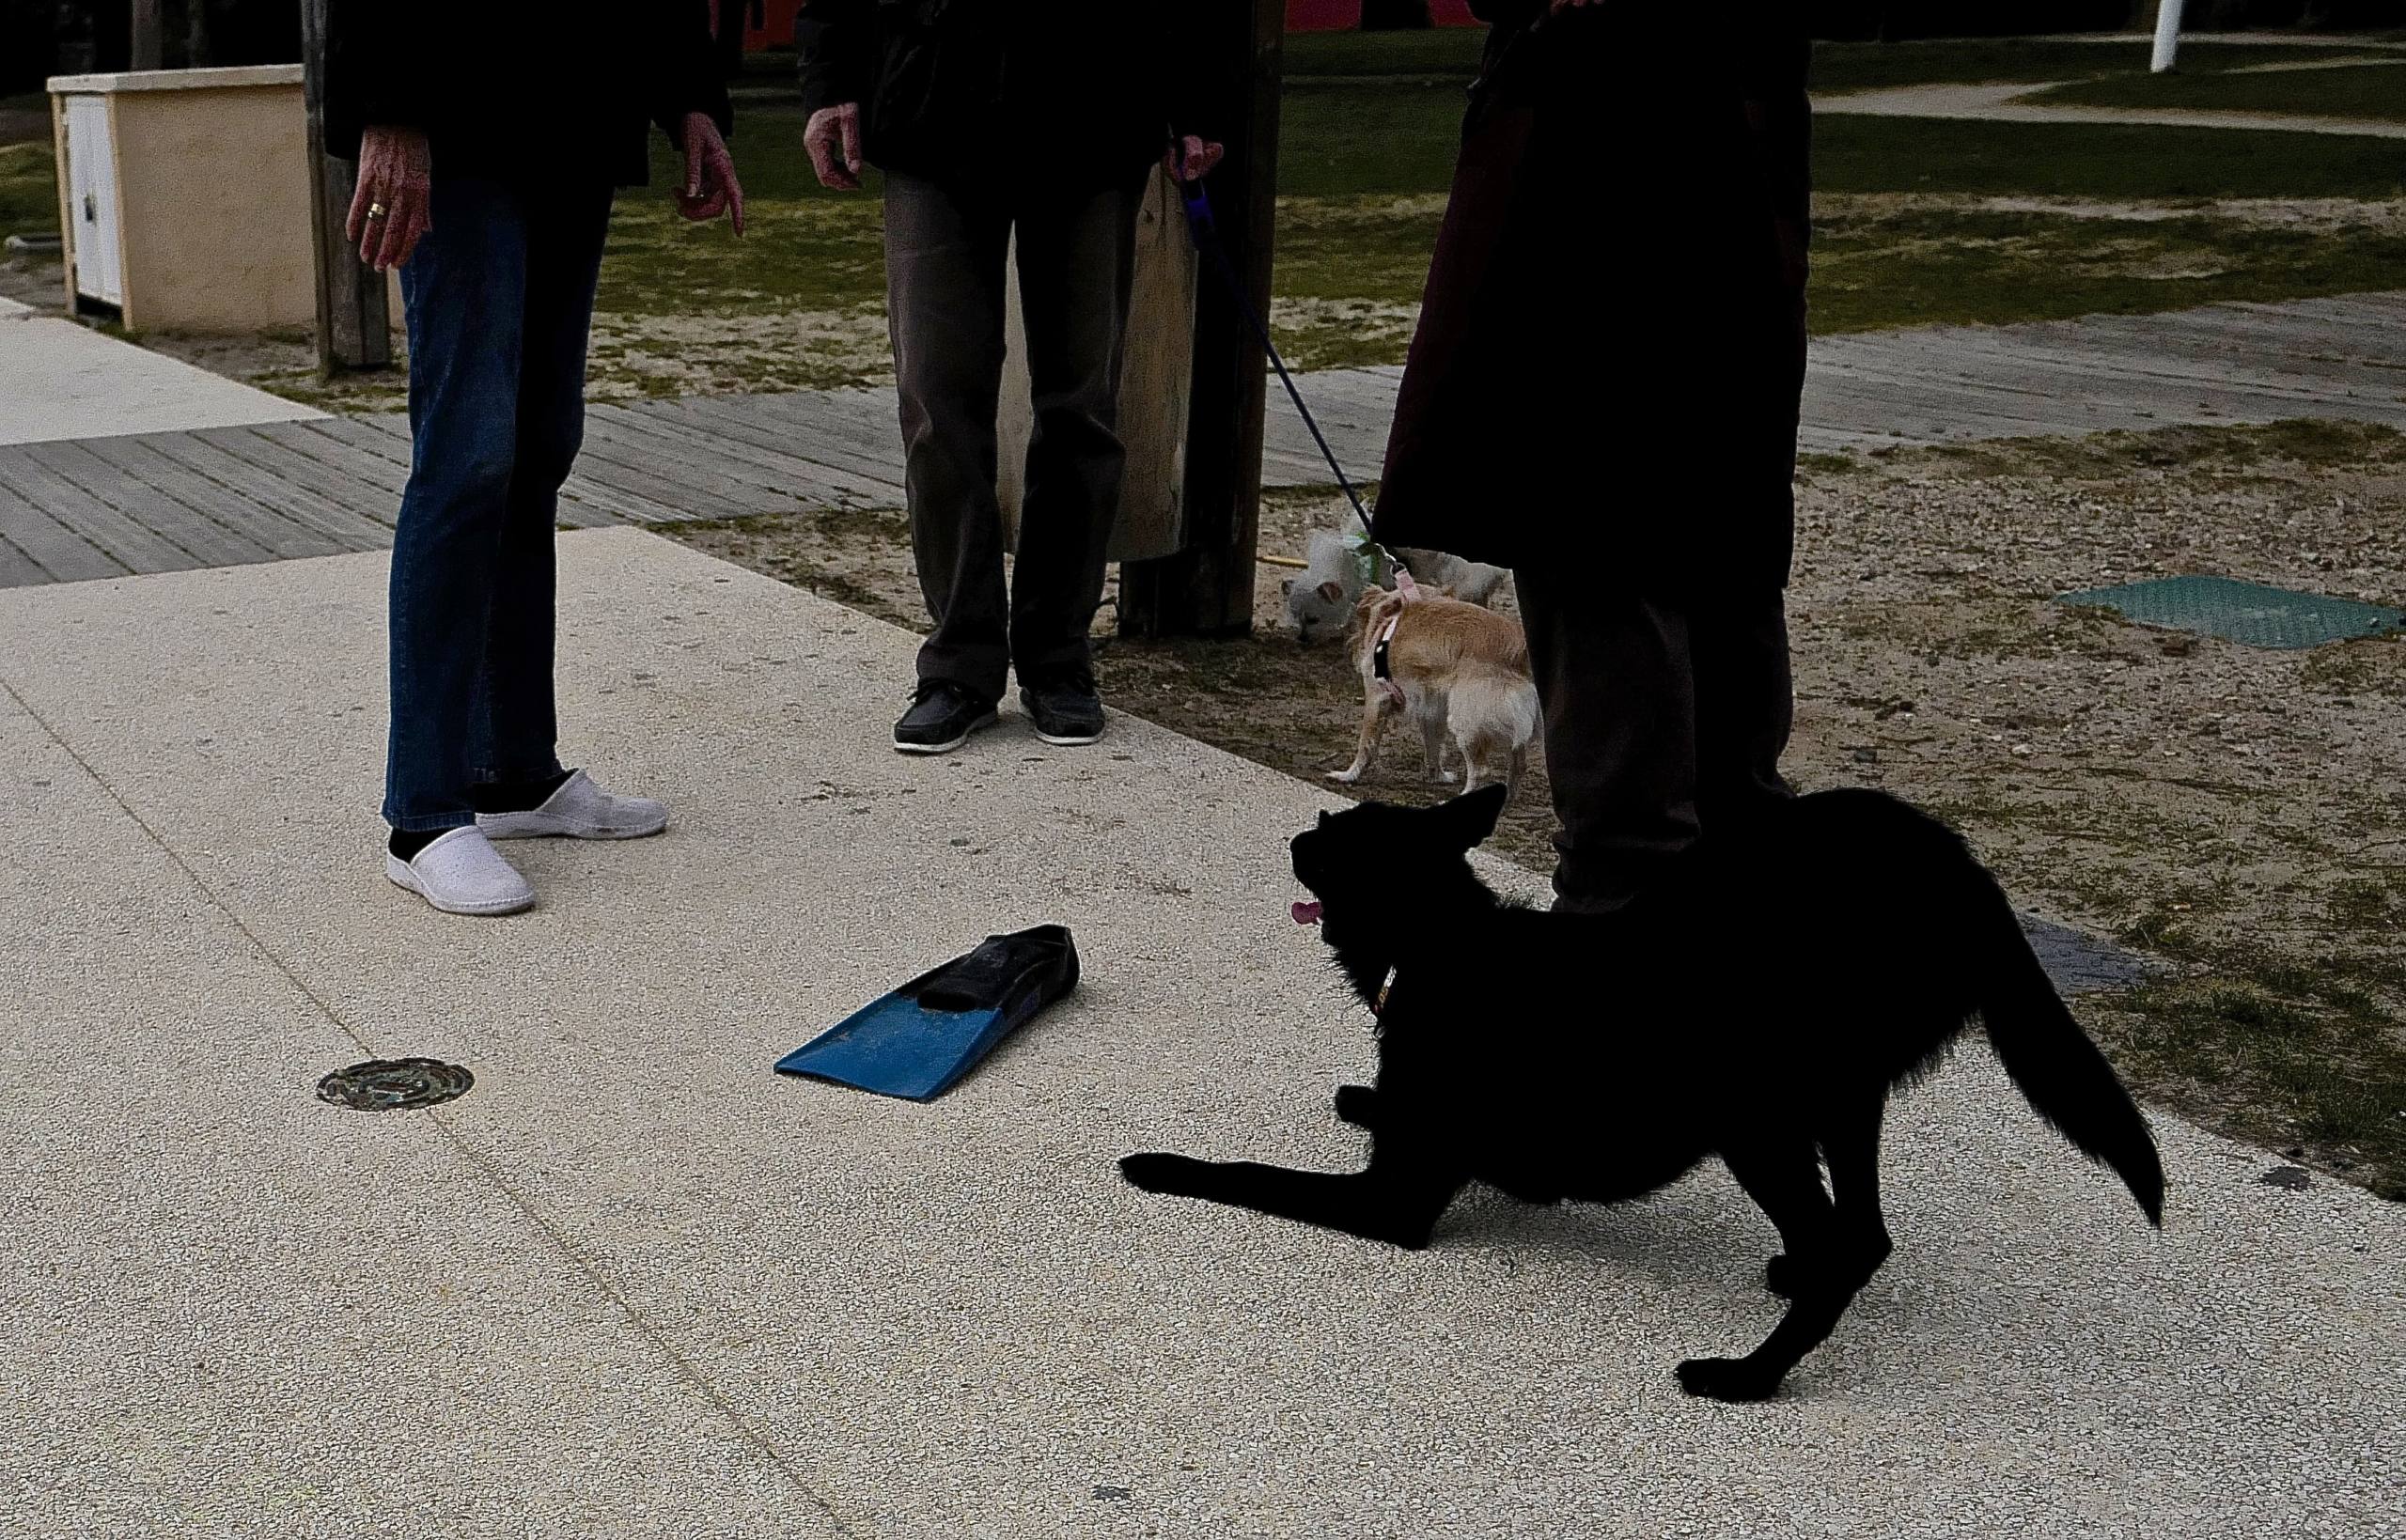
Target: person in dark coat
(1602, 395)
(489, 140)
(996, 120)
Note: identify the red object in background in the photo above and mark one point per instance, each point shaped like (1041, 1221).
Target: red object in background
(769, 23)
(1344, 15)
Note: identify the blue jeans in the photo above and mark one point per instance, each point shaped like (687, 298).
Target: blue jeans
(500, 301)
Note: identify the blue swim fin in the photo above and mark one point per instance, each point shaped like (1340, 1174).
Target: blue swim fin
(918, 1040)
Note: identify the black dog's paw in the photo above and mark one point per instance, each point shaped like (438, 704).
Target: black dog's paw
(1784, 1275)
(1357, 1105)
(1157, 1172)
(1725, 1380)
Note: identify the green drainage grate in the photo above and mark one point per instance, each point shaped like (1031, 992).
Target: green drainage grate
(2246, 613)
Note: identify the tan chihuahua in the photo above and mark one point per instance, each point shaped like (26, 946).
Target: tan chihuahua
(1447, 665)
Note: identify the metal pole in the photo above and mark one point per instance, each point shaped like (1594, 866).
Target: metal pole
(2168, 33)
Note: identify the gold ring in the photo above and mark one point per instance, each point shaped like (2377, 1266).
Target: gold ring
(375, 211)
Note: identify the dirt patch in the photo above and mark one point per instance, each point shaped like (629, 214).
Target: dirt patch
(633, 357)
(713, 355)
(2238, 815)
(2382, 214)
(285, 363)
(1336, 334)
(38, 282)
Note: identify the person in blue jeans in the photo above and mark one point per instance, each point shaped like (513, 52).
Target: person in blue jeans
(491, 141)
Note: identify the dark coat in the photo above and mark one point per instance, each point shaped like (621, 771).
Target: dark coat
(1069, 92)
(1611, 348)
(546, 94)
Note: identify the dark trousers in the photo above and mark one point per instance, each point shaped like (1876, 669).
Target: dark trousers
(500, 299)
(1664, 719)
(946, 249)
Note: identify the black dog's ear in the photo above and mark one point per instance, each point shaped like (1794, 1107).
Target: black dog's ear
(1468, 820)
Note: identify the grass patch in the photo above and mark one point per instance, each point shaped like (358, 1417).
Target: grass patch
(1839, 67)
(2303, 1052)
(1354, 139)
(28, 189)
(1918, 266)
(1450, 52)
(1372, 123)
(2116, 160)
(2299, 443)
(2366, 91)
(1454, 52)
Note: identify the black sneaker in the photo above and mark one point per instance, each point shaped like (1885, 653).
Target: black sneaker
(941, 717)
(1064, 707)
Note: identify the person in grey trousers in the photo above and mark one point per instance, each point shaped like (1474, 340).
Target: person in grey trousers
(992, 119)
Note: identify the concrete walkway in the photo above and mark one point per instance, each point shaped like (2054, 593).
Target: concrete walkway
(62, 381)
(635, 1284)
(96, 508)
(2010, 103)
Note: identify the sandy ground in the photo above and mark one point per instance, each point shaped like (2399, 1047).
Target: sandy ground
(2234, 812)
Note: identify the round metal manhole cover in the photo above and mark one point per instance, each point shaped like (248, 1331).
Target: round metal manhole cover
(383, 1085)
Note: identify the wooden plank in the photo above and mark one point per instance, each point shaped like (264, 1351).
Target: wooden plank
(363, 436)
(771, 471)
(393, 425)
(65, 556)
(388, 433)
(845, 478)
(659, 498)
(314, 454)
(208, 540)
(820, 429)
(353, 530)
(282, 538)
(303, 477)
(133, 543)
(584, 516)
(696, 478)
(17, 569)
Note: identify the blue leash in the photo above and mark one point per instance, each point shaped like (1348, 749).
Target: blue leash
(1205, 231)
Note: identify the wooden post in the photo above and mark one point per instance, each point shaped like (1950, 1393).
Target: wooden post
(1205, 589)
(1155, 375)
(354, 323)
(148, 36)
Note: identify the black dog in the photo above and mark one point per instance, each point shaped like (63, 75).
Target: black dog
(1760, 1009)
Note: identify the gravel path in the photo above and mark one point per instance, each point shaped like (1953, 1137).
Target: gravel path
(635, 1285)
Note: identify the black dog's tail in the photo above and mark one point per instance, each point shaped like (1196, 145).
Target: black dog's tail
(2053, 1062)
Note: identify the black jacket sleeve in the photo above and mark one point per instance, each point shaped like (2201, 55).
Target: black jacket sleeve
(837, 41)
(681, 68)
(376, 73)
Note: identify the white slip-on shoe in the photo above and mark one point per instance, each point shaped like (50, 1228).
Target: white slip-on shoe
(579, 810)
(461, 873)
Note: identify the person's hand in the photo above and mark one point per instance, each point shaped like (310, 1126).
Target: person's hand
(1192, 157)
(832, 140)
(394, 204)
(711, 188)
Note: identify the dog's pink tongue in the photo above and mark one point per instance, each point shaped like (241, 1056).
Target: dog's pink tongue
(1306, 913)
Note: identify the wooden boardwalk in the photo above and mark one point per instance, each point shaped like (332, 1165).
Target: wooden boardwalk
(75, 509)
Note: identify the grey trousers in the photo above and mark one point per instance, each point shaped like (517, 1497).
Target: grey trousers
(945, 247)
(1665, 720)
